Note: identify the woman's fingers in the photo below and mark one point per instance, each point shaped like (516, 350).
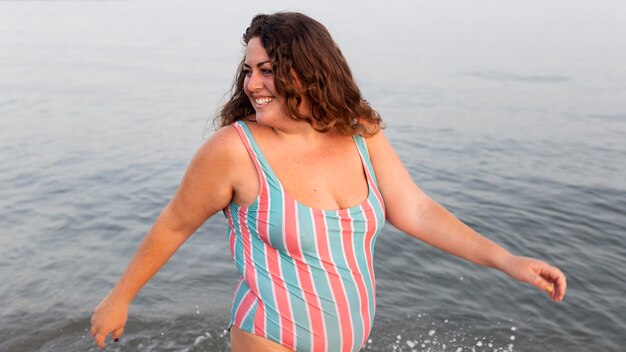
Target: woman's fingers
(117, 334)
(99, 338)
(557, 279)
(109, 318)
(551, 280)
(541, 283)
(100, 335)
(539, 274)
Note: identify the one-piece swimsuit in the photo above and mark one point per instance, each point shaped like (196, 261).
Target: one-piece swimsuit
(306, 274)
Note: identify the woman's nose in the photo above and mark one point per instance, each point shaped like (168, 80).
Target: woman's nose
(254, 82)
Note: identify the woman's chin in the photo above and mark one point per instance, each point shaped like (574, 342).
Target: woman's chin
(267, 117)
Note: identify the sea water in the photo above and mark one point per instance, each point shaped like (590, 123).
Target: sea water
(510, 114)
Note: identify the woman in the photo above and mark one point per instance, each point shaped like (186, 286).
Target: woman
(306, 179)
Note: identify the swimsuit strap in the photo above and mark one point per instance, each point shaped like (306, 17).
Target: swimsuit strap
(264, 170)
(365, 157)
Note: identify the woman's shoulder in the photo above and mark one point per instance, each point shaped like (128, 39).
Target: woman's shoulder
(226, 157)
(223, 145)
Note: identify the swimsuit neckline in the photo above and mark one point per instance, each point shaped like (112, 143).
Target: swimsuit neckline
(269, 172)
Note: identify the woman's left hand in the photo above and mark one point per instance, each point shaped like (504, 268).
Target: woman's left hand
(537, 273)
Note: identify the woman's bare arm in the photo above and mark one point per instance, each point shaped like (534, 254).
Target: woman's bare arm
(206, 188)
(409, 209)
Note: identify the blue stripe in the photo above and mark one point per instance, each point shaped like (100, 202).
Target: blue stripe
(362, 146)
(248, 322)
(241, 292)
(360, 234)
(339, 259)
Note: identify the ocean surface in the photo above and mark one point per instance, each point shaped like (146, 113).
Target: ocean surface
(512, 114)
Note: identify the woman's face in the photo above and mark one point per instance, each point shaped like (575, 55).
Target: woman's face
(259, 83)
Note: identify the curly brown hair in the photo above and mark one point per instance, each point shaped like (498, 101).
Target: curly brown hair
(297, 43)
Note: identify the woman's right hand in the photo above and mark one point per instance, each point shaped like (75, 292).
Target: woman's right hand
(109, 317)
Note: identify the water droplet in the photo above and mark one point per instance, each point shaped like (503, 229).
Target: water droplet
(431, 332)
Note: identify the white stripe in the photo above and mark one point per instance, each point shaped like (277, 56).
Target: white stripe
(319, 301)
(343, 287)
(297, 270)
(345, 293)
(287, 293)
(356, 262)
(330, 286)
(268, 239)
(249, 308)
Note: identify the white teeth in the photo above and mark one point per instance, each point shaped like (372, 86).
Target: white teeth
(263, 101)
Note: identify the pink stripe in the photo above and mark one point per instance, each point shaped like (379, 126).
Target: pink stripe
(380, 199)
(259, 319)
(369, 237)
(262, 226)
(316, 320)
(290, 239)
(337, 288)
(263, 231)
(370, 218)
(279, 290)
(372, 222)
(370, 180)
(263, 194)
(250, 274)
(237, 289)
(231, 235)
(347, 236)
(244, 308)
(290, 231)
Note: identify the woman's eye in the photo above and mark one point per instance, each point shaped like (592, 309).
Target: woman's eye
(246, 72)
(266, 72)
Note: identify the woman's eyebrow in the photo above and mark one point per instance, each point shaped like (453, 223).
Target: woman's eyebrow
(257, 65)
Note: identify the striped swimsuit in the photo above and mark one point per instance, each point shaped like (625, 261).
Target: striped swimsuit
(307, 275)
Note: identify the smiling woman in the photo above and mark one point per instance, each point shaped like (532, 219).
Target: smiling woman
(303, 246)
(258, 83)
(310, 72)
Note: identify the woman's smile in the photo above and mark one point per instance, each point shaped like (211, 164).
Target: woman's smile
(261, 102)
